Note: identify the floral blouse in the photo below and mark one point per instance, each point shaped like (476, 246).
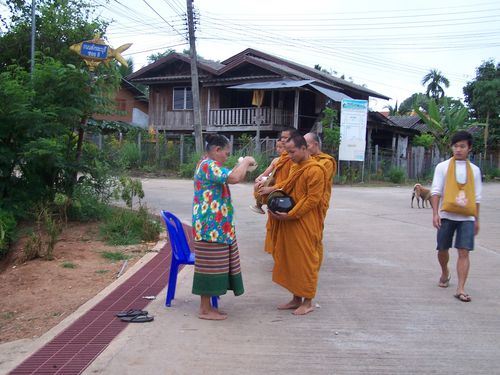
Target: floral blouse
(212, 208)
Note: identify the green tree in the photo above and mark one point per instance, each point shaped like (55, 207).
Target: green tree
(38, 138)
(435, 81)
(418, 99)
(59, 24)
(443, 121)
(331, 130)
(393, 111)
(159, 55)
(483, 96)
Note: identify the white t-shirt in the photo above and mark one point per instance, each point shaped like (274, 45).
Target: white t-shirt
(439, 181)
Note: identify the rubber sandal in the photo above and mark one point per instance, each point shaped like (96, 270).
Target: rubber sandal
(131, 312)
(137, 319)
(463, 297)
(446, 284)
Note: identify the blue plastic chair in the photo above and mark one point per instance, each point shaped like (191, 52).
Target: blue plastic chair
(181, 253)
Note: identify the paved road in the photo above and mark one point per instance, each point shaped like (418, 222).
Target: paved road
(381, 311)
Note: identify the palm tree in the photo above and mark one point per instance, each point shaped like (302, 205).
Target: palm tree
(435, 79)
(393, 111)
(443, 120)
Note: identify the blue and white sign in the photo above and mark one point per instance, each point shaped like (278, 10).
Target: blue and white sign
(353, 117)
(94, 50)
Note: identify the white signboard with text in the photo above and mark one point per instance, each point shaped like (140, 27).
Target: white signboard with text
(353, 116)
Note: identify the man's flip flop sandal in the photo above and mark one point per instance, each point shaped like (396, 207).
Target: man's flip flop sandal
(463, 297)
(137, 319)
(131, 312)
(445, 284)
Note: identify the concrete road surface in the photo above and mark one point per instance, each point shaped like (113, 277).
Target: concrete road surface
(379, 309)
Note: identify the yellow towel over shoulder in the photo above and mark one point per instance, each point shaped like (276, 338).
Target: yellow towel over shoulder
(459, 198)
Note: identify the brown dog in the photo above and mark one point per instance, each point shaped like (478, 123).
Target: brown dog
(421, 193)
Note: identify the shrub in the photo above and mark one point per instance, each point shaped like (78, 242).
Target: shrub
(126, 227)
(424, 140)
(33, 247)
(7, 227)
(151, 227)
(85, 205)
(186, 170)
(491, 173)
(396, 175)
(129, 155)
(128, 189)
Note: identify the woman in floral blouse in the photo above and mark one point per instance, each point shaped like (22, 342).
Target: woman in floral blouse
(217, 263)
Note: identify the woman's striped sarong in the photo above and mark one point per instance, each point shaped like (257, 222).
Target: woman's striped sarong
(217, 269)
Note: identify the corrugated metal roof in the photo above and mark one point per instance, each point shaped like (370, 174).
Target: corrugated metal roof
(332, 94)
(287, 84)
(283, 84)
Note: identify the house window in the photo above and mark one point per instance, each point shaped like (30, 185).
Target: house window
(183, 98)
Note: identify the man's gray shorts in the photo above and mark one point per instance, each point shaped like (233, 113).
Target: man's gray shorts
(464, 238)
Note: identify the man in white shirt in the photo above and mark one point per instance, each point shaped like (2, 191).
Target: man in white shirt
(447, 220)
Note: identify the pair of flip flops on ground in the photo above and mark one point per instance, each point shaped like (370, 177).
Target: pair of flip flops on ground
(135, 316)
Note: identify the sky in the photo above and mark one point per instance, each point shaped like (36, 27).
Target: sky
(387, 45)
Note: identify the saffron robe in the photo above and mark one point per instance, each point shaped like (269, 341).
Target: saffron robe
(296, 249)
(282, 171)
(330, 165)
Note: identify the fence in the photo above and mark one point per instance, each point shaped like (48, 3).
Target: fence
(171, 151)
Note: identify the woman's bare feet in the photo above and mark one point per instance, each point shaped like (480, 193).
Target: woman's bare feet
(207, 312)
(212, 315)
(293, 304)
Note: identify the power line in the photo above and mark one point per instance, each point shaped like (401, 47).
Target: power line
(154, 10)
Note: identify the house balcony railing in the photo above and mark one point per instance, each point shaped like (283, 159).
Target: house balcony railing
(248, 117)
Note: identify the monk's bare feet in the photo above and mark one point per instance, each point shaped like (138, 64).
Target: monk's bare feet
(293, 304)
(303, 309)
(212, 315)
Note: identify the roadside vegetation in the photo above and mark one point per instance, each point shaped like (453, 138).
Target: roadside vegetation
(49, 172)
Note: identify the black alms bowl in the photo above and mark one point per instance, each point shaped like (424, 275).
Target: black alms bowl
(278, 201)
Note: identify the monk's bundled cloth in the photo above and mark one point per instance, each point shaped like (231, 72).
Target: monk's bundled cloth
(459, 198)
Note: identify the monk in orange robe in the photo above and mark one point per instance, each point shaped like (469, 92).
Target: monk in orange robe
(327, 161)
(297, 235)
(281, 173)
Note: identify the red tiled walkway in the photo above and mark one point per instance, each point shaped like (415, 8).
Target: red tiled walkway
(74, 349)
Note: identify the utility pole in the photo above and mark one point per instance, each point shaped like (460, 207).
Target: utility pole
(195, 88)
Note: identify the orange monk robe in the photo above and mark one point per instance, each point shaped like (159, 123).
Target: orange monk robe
(296, 249)
(330, 165)
(282, 168)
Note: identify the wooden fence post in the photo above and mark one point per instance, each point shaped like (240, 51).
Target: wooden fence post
(182, 149)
